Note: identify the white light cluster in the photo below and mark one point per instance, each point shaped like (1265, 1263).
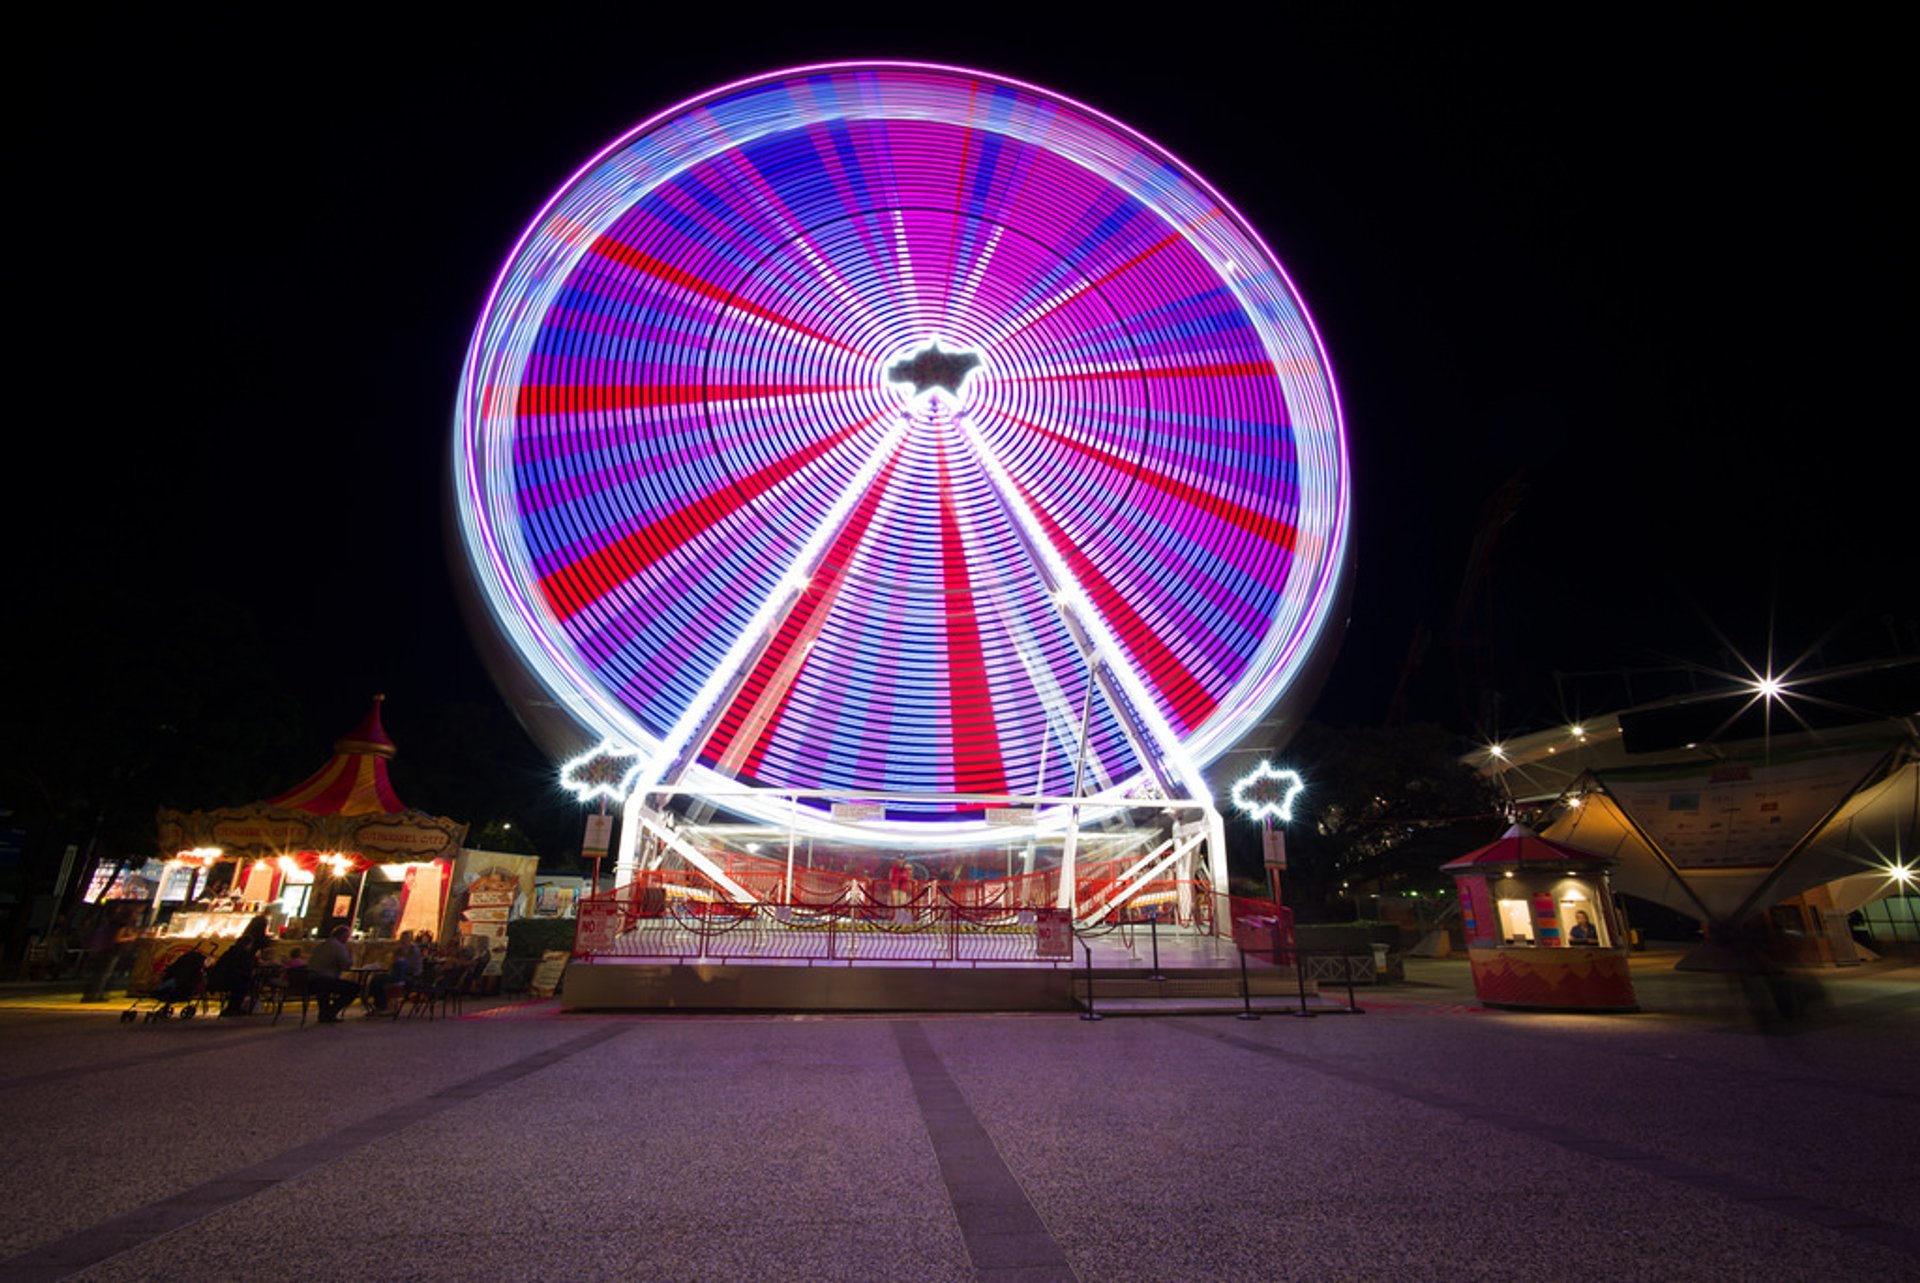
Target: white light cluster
(1285, 781)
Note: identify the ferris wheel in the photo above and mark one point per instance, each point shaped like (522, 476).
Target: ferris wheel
(892, 429)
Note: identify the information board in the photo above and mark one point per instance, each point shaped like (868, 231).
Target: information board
(595, 927)
(1053, 933)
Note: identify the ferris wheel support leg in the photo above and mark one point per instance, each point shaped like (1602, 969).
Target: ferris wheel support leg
(1183, 882)
(1067, 850)
(624, 860)
(1217, 871)
(693, 855)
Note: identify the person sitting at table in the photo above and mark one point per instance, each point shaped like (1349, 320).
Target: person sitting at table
(326, 971)
(405, 971)
(1583, 936)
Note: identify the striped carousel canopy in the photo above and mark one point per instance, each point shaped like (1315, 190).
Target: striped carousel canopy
(354, 780)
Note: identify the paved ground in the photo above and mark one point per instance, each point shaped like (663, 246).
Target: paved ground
(1424, 1139)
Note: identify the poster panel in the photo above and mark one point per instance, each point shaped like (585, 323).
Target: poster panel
(1743, 813)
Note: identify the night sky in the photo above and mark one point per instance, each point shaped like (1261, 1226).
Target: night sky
(1651, 271)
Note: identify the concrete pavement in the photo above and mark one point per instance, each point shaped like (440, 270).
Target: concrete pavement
(1423, 1139)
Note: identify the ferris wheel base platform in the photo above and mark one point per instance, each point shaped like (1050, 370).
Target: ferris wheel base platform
(614, 984)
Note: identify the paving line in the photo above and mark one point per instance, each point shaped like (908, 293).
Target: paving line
(1860, 1225)
(1005, 1237)
(89, 1247)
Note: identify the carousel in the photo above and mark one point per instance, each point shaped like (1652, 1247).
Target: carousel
(340, 846)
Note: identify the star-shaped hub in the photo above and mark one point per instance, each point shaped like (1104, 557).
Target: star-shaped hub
(934, 367)
(1265, 792)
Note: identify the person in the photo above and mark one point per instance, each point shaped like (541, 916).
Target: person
(235, 972)
(405, 971)
(112, 939)
(1583, 935)
(326, 979)
(387, 914)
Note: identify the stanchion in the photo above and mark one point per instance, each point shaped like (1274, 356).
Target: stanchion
(1089, 1013)
(1352, 1006)
(1153, 931)
(1300, 979)
(1246, 997)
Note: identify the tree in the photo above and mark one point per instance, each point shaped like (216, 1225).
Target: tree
(1384, 807)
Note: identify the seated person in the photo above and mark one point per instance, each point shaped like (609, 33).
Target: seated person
(405, 971)
(234, 974)
(326, 981)
(1583, 934)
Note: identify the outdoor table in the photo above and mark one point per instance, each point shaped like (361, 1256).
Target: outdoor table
(363, 976)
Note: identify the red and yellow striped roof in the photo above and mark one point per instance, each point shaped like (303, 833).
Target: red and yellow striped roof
(354, 780)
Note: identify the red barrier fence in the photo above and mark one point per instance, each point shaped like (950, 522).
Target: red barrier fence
(838, 917)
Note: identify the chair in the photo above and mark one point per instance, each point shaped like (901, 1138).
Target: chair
(421, 992)
(453, 987)
(290, 985)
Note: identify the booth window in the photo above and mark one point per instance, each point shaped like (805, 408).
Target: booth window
(1516, 922)
(1573, 899)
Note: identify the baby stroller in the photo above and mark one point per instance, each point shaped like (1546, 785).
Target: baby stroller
(182, 984)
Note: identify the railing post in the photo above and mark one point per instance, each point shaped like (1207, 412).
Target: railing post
(1153, 929)
(1352, 1006)
(1246, 995)
(1300, 979)
(1089, 1013)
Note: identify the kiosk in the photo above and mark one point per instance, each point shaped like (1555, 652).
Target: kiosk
(1542, 932)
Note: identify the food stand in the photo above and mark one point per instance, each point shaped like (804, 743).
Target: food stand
(1542, 930)
(340, 845)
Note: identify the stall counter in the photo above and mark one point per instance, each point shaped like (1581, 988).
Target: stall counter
(1556, 977)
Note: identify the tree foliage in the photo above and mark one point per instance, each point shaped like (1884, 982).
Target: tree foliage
(1384, 807)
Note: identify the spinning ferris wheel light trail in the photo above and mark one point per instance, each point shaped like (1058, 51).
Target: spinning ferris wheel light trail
(831, 433)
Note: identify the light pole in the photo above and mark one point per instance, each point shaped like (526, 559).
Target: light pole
(1267, 793)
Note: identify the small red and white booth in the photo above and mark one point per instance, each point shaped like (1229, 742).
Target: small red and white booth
(1542, 930)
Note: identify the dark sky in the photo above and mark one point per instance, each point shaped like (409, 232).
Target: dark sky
(1655, 270)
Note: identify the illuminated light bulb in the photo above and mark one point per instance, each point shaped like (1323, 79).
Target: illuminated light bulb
(1768, 687)
(1497, 751)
